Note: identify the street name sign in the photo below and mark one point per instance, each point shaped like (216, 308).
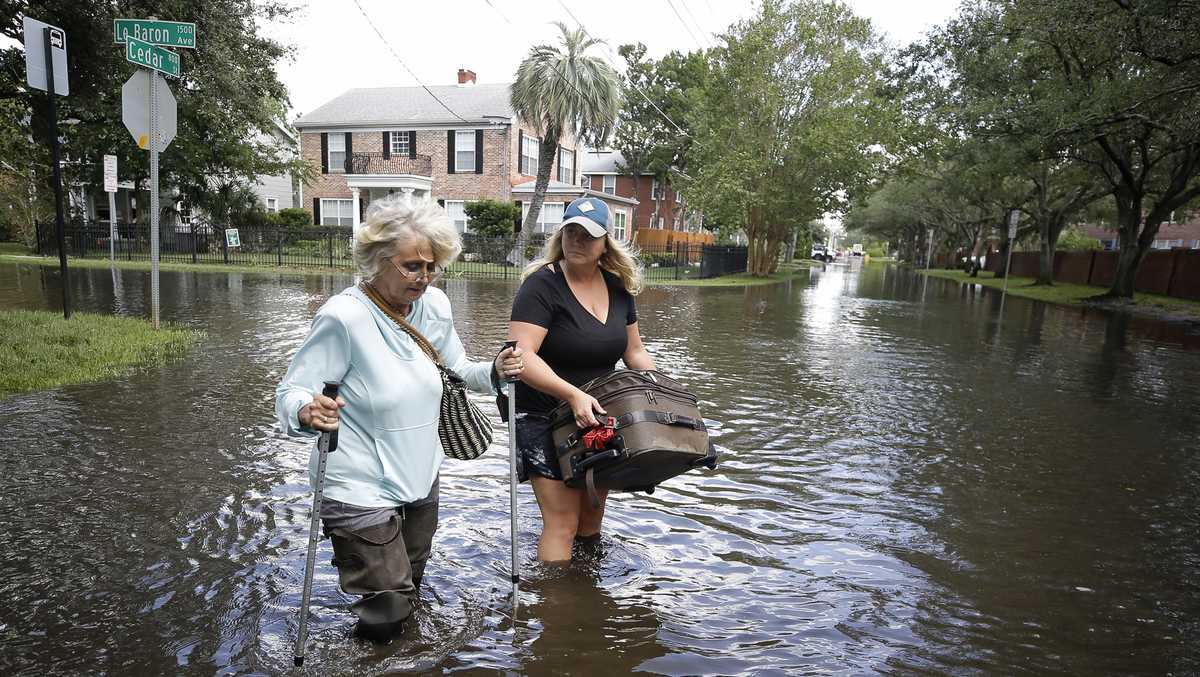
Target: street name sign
(110, 173)
(165, 33)
(35, 55)
(135, 111)
(152, 56)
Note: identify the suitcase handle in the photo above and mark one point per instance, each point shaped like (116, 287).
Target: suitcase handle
(606, 455)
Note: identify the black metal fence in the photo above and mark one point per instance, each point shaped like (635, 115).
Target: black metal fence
(329, 247)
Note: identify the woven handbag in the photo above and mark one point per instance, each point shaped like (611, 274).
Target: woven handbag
(464, 431)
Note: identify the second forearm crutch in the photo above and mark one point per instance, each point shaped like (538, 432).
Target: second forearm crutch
(512, 479)
(326, 443)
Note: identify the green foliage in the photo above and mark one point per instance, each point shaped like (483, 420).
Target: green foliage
(645, 138)
(40, 349)
(1073, 240)
(789, 121)
(560, 89)
(294, 218)
(492, 218)
(651, 259)
(229, 97)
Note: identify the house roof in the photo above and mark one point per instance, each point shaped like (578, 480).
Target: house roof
(411, 106)
(560, 188)
(601, 162)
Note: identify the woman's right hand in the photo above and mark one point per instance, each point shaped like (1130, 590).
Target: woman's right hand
(322, 413)
(585, 408)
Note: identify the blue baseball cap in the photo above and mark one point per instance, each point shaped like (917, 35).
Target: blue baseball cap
(589, 212)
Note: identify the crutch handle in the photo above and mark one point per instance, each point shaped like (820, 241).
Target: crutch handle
(507, 345)
(331, 391)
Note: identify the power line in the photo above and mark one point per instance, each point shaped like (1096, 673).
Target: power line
(696, 22)
(614, 65)
(410, 72)
(684, 24)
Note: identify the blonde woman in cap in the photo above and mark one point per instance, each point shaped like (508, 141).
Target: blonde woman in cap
(380, 506)
(573, 318)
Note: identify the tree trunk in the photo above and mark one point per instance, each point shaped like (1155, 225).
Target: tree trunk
(1001, 270)
(547, 149)
(1046, 263)
(1129, 258)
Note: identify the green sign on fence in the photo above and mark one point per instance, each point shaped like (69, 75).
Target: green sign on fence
(232, 238)
(166, 33)
(150, 56)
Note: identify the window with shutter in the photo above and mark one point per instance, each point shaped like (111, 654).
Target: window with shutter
(529, 155)
(337, 153)
(464, 151)
(399, 143)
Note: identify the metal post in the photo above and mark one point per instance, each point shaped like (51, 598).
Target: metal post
(154, 198)
(58, 199)
(326, 444)
(929, 253)
(192, 230)
(512, 484)
(112, 227)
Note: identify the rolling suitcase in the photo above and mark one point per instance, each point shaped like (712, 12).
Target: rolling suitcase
(653, 431)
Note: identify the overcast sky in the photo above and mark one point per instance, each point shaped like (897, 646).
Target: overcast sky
(337, 49)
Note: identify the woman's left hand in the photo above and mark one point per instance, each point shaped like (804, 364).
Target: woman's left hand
(510, 363)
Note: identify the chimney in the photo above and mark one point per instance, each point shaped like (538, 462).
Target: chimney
(466, 77)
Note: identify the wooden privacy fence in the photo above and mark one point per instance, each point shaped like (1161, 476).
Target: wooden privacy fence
(1174, 272)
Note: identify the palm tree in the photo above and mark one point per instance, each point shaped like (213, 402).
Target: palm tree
(560, 90)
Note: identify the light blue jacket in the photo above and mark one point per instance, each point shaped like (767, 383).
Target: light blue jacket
(388, 451)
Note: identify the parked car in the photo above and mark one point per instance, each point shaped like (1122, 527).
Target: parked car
(821, 253)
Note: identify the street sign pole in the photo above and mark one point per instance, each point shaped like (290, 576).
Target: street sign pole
(154, 76)
(58, 199)
(110, 187)
(1013, 218)
(112, 227)
(929, 253)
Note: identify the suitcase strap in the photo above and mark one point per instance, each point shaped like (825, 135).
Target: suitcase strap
(635, 417)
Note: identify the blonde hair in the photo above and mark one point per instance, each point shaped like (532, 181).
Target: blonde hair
(397, 219)
(618, 258)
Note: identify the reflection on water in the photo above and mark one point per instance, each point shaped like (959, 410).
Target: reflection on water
(910, 484)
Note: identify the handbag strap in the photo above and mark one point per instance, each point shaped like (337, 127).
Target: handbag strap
(372, 293)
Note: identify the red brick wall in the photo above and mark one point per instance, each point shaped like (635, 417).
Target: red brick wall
(500, 165)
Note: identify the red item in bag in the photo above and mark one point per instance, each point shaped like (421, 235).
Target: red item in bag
(600, 435)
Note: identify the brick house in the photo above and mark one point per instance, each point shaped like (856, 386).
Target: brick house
(369, 143)
(662, 206)
(1172, 235)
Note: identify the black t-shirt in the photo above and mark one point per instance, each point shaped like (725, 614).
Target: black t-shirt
(578, 347)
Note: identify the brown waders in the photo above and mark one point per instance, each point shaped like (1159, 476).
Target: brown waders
(384, 563)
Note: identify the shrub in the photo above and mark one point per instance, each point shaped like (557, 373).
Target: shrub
(492, 218)
(294, 217)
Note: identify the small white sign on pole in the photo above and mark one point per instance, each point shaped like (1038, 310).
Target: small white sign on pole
(1014, 217)
(110, 173)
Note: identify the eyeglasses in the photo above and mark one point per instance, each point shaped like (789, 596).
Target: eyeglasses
(414, 271)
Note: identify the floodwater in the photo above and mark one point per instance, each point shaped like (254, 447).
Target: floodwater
(911, 484)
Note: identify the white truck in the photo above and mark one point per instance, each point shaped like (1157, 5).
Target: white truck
(820, 252)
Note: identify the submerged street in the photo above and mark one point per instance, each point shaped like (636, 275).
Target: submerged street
(909, 483)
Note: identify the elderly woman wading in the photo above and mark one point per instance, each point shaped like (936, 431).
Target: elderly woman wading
(380, 505)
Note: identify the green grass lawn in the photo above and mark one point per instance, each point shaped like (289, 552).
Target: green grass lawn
(39, 349)
(1071, 294)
